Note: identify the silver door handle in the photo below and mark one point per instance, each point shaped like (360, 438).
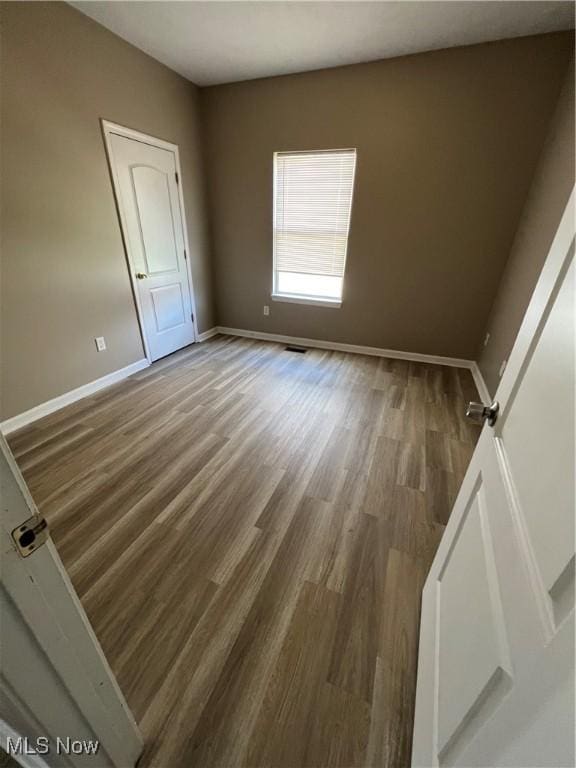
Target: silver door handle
(479, 413)
(141, 275)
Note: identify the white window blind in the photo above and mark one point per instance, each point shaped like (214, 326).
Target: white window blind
(312, 204)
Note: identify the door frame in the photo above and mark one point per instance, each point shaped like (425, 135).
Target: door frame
(110, 129)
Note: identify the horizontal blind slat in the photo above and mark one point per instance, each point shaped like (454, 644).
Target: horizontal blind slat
(312, 211)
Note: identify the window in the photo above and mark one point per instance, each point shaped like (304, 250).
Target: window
(312, 203)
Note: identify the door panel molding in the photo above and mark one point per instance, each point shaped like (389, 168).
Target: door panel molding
(486, 616)
(164, 322)
(524, 543)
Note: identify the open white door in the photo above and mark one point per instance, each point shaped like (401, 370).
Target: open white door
(56, 683)
(496, 659)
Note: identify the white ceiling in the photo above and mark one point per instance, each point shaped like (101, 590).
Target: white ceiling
(222, 42)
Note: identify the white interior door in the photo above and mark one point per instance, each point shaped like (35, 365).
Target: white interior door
(148, 198)
(496, 660)
(56, 683)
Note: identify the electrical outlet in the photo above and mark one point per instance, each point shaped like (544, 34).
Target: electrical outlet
(502, 367)
(100, 343)
(266, 309)
(486, 339)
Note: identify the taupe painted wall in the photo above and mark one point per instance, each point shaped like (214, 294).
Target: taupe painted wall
(447, 146)
(549, 193)
(65, 278)
(448, 143)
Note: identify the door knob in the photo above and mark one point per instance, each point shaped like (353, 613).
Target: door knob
(141, 275)
(479, 413)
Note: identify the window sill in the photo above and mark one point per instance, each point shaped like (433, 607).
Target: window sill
(316, 302)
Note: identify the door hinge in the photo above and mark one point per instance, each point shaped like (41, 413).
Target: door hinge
(177, 177)
(185, 254)
(30, 535)
(192, 316)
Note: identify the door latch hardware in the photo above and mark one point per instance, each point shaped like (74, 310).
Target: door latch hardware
(479, 413)
(30, 535)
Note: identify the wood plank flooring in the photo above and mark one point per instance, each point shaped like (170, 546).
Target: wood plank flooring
(249, 530)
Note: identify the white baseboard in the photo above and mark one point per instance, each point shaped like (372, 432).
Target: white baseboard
(22, 419)
(480, 384)
(453, 362)
(208, 334)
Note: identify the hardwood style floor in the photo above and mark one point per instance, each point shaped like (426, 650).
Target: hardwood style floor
(249, 530)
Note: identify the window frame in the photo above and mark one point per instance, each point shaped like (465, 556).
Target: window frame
(320, 301)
